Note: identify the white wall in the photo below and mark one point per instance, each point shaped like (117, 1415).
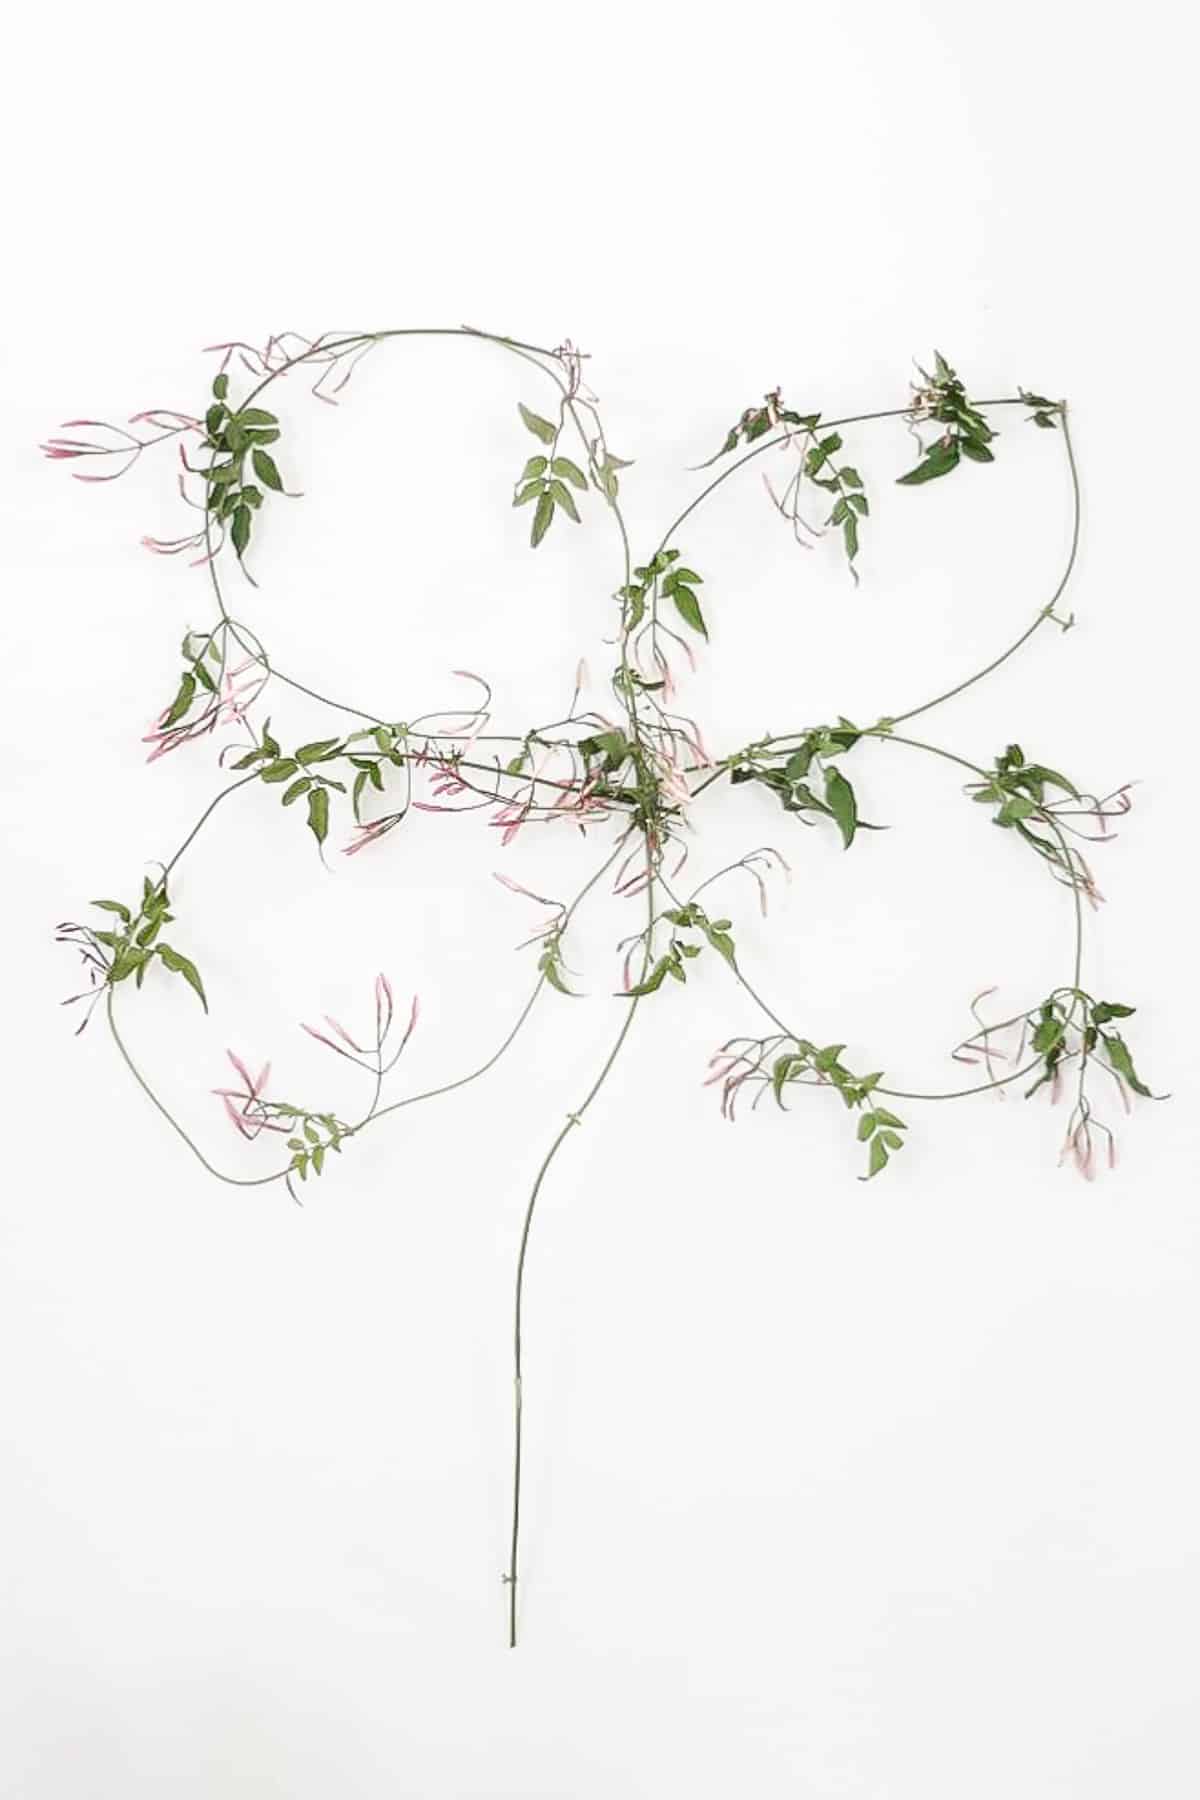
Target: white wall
(834, 1490)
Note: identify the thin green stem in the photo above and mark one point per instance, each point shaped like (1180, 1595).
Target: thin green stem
(1047, 611)
(172, 1121)
(572, 1119)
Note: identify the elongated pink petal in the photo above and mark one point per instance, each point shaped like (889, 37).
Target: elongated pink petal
(413, 1016)
(321, 1038)
(244, 1072)
(235, 1117)
(383, 1004)
(343, 1034)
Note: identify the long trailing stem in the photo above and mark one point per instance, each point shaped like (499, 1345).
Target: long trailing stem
(573, 1119)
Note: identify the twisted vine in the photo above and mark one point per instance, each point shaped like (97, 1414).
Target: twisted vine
(632, 772)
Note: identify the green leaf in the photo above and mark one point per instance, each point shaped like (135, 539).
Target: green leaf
(281, 770)
(182, 701)
(541, 428)
(220, 388)
(1122, 1061)
(888, 1118)
(612, 745)
(975, 450)
(254, 415)
(1049, 1035)
(297, 788)
(654, 979)
(866, 1126)
(126, 962)
(318, 813)
(721, 942)
(550, 969)
(1040, 772)
(180, 965)
(688, 607)
(535, 466)
(240, 532)
(115, 906)
(938, 461)
(562, 465)
(264, 468)
(839, 797)
(541, 519)
(320, 751)
(562, 497)
(877, 1158)
(1102, 1011)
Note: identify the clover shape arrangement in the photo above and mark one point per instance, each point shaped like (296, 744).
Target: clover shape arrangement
(630, 772)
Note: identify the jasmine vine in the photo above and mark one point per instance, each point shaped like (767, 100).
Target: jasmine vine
(631, 771)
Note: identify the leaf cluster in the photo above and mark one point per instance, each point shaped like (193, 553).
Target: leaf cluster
(300, 773)
(551, 964)
(233, 437)
(1018, 791)
(316, 1135)
(967, 432)
(132, 949)
(681, 951)
(1045, 411)
(877, 1127)
(546, 481)
(662, 575)
(845, 484)
(1058, 1032)
(757, 421)
(197, 650)
(789, 779)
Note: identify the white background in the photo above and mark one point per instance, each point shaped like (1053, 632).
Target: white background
(833, 1490)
